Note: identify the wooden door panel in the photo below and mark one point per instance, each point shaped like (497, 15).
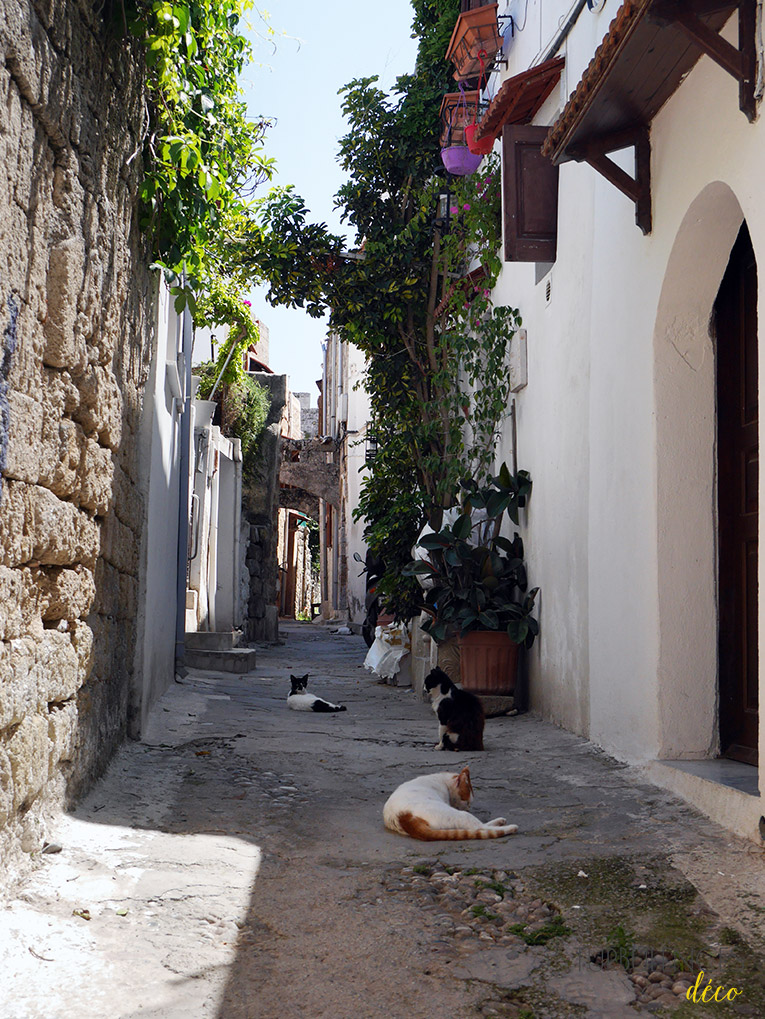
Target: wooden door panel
(738, 502)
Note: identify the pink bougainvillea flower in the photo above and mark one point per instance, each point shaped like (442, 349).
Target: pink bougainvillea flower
(453, 209)
(248, 304)
(466, 207)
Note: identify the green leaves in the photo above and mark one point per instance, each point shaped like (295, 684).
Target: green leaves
(479, 582)
(462, 527)
(201, 153)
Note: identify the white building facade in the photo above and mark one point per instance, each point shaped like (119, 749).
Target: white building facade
(648, 569)
(345, 417)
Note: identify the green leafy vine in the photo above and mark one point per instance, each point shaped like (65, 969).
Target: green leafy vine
(202, 155)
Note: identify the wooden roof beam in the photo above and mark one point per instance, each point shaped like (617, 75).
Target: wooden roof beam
(740, 63)
(637, 188)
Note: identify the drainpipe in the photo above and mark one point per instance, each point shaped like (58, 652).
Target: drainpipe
(559, 39)
(183, 499)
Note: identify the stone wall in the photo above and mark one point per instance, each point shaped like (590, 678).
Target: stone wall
(75, 323)
(260, 507)
(305, 466)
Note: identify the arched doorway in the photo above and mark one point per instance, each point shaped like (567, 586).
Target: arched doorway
(685, 371)
(735, 322)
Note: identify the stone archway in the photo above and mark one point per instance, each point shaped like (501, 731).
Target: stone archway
(686, 484)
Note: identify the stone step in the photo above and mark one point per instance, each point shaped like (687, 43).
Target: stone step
(221, 640)
(237, 659)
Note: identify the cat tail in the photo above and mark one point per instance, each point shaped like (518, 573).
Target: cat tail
(320, 705)
(419, 828)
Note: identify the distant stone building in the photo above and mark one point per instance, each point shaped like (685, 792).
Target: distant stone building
(309, 416)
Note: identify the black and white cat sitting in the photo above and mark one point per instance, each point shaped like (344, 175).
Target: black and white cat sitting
(299, 700)
(460, 713)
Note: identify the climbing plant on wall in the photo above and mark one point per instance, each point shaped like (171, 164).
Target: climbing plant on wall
(202, 155)
(244, 402)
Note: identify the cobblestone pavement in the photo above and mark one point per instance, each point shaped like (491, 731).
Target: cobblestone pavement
(235, 866)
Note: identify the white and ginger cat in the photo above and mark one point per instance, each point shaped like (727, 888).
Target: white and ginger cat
(299, 700)
(434, 807)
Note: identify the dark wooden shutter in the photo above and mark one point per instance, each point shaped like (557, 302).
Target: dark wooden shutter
(529, 196)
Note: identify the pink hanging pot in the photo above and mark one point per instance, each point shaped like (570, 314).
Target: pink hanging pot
(459, 160)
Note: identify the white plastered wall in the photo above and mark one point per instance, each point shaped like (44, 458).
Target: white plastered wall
(617, 425)
(355, 452)
(160, 438)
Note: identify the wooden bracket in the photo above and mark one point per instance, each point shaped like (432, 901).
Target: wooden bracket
(637, 188)
(741, 62)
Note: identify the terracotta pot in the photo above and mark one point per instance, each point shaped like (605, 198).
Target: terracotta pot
(457, 108)
(474, 42)
(489, 662)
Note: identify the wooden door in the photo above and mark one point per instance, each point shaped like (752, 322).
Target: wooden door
(738, 476)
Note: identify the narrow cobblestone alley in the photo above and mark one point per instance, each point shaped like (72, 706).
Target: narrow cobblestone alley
(235, 866)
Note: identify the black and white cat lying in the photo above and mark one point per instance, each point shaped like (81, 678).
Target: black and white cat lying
(299, 700)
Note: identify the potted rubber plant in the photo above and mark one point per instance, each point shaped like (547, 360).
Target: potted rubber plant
(476, 583)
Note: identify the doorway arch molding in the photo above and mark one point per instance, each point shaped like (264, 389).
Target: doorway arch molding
(684, 387)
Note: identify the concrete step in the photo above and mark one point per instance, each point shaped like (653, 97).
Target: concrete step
(224, 640)
(238, 660)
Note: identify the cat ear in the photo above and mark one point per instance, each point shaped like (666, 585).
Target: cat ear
(464, 785)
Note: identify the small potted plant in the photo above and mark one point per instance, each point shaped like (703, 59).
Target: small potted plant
(476, 584)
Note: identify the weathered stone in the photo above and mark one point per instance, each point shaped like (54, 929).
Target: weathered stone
(6, 787)
(82, 642)
(36, 526)
(58, 666)
(24, 438)
(76, 332)
(95, 477)
(62, 734)
(19, 690)
(61, 456)
(100, 410)
(28, 753)
(63, 347)
(19, 603)
(118, 544)
(66, 594)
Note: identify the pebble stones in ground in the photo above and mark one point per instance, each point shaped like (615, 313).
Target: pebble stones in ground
(486, 925)
(490, 905)
(490, 925)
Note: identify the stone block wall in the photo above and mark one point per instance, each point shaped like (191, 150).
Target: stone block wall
(260, 508)
(76, 303)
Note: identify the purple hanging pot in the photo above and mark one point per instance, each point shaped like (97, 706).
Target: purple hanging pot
(459, 160)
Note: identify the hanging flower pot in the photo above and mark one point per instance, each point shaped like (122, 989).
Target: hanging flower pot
(475, 38)
(479, 148)
(459, 160)
(455, 112)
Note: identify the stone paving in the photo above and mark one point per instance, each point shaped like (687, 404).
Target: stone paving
(235, 866)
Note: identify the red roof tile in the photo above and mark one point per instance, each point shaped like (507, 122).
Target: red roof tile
(520, 97)
(640, 63)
